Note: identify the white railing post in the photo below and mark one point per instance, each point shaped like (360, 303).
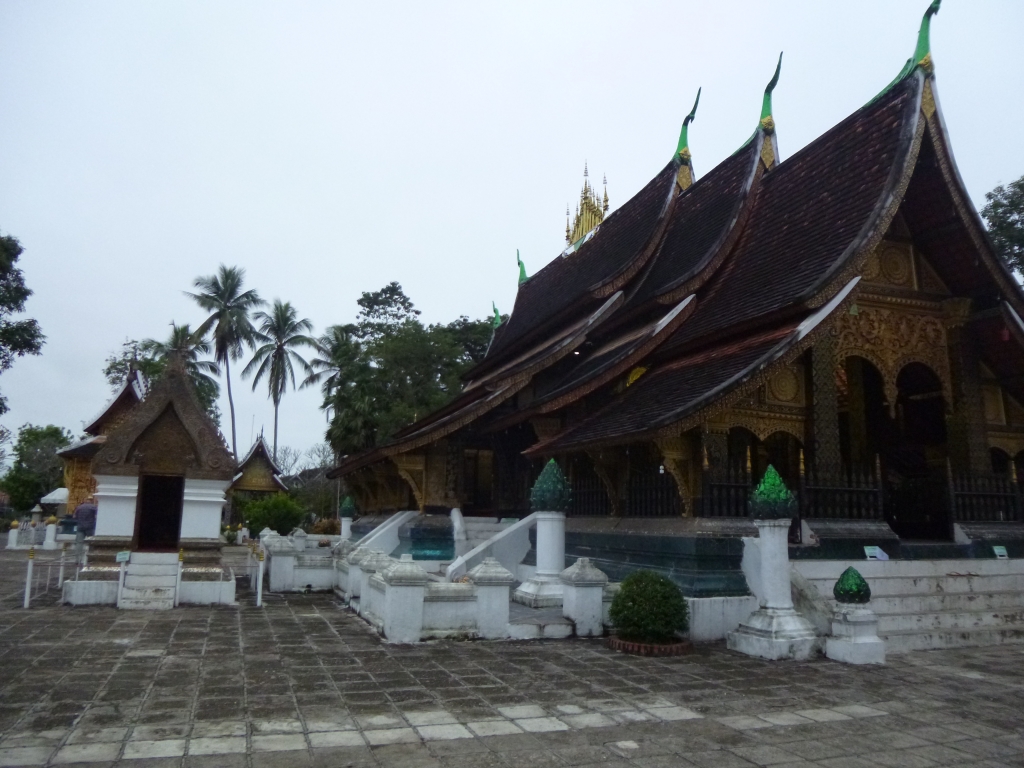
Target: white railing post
(28, 577)
(120, 582)
(177, 581)
(259, 583)
(60, 571)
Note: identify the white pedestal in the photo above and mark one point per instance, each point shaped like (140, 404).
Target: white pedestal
(50, 542)
(346, 528)
(855, 637)
(492, 582)
(12, 538)
(583, 597)
(776, 630)
(403, 601)
(544, 588)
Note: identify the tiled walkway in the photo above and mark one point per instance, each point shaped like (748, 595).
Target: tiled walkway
(301, 682)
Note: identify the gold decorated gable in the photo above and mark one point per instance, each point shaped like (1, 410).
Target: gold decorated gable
(166, 432)
(257, 475)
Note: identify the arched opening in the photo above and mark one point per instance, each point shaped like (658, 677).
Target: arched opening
(921, 416)
(1000, 461)
(866, 428)
(780, 449)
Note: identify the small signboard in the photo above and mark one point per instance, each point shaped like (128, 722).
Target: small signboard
(1001, 553)
(875, 553)
(123, 557)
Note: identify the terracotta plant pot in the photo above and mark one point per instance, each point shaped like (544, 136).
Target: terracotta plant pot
(649, 649)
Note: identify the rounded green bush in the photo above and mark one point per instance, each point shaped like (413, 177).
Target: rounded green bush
(649, 609)
(279, 513)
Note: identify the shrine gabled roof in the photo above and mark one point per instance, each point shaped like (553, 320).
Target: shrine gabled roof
(131, 393)
(260, 450)
(614, 253)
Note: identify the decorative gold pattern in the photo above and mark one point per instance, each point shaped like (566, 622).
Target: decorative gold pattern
(992, 399)
(767, 152)
(890, 339)
(635, 374)
(79, 481)
(768, 124)
(784, 386)
(927, 65)
(684, 176)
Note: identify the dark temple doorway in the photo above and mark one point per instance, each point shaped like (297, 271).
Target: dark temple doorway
(158, 519)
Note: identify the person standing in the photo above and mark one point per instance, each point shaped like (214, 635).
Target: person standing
(85, 524)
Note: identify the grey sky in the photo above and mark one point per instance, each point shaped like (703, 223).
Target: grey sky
(329, 148)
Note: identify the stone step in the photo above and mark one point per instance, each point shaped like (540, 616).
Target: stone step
(473, 522)
(829, 570)
(147, 593)
(146, 605)
(947, 601)
(930, 585)
(914, 640)
(152, 570)
(154, 558)
(942, 620)
(132, 580)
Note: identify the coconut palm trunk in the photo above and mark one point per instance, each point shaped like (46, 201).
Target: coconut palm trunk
(231, 407)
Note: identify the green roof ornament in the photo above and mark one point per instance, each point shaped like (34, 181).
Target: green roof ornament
(772, 500)
(523, 277)
(348, 507)
(923, 51)
(496, 320)
(683, 148)
(767, 121)
(551, 493)
(851, 588)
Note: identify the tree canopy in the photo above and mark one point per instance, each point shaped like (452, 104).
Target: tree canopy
(389, 369)
(17, 337)
(37, 469)
(1004, 214)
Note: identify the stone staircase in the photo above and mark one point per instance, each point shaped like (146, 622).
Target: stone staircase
(928, 604)
(149, 581)
(480, 529)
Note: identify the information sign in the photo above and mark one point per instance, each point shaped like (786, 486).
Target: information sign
(1001, 553)
(123, 557)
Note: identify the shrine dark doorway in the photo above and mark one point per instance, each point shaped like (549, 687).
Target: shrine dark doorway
(158, 514)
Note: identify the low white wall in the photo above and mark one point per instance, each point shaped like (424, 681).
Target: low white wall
(712, 617)
(449, 608)
(508, 547)
(313, 572)
(201, 512)
(205, 592)
(115, 505)
(90, 593)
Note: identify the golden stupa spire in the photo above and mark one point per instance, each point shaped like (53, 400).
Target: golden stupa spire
(590, 211)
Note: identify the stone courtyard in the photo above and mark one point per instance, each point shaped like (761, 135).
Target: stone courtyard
(302, 682)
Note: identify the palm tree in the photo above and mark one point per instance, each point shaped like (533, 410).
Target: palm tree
(228, 324)
(338, 352)
(280, 332)
(189, 347)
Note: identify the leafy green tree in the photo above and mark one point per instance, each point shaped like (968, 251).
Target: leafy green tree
(37, 469)
(151, 358)
(1004, 214)
(278, 512)
(17, 337)
(228, 324)
(389, 369)
(279, 335)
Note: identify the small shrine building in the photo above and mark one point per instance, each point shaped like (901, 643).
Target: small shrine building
(840, 314)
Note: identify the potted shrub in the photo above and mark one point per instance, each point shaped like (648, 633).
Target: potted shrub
(650, 616)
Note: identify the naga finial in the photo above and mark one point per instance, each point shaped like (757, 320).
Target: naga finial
(683, 148)
(523, 277)
(767, 121)
(496, 320)
(923, 51)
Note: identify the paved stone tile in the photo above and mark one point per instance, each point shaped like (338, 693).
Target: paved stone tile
(278, 742)
(85, 753)
(525, 711)
(26, 755)
(391, 736)
(135, 750)
(493, 728)
(541, 724)
(216, 745)
(446, 732)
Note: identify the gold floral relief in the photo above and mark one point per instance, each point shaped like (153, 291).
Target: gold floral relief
(992, 399)
(784, 386)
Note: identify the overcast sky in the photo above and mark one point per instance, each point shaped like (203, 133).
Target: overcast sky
(329, 148)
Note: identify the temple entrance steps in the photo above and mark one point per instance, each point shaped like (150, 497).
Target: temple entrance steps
(931, 604)
(480, 529)
(150, 581)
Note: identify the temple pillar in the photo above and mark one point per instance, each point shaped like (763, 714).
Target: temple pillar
(677, 458)
(859, 453)
(824, 427)
(612, 469)
(966, 437)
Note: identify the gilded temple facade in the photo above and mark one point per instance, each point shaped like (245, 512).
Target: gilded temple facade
(840, 315)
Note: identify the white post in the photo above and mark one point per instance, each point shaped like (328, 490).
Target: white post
(583, 597)
(120, 583)
(60, 572)
(346, 528)
(492, 581)
(12, 538)
(544, 588)
(776, 630)
(259, 583)
(28, 577)
(177, 580)
(403, 601)
(50, 541)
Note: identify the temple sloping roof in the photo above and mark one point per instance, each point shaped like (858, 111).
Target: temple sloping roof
(258, 471)
(127, 397)
(615, 252)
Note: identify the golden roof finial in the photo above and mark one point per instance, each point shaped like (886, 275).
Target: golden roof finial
(590, 211)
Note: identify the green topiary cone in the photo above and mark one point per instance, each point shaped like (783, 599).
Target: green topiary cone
(551, 493)
(851, 588)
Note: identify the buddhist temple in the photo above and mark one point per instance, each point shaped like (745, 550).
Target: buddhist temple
(839, 314)
(257, 474)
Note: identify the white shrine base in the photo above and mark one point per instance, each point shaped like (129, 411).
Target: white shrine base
(855, 637)
(775, 633)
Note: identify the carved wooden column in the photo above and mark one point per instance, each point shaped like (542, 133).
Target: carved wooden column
(824, 442)
(968, 446)
(678, 461)
(612, 469)
(859, 453)
(714, 440)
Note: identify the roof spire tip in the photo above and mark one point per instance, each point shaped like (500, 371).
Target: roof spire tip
(523, 277)
(923, 51)
(683, 147)
(767, 120)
